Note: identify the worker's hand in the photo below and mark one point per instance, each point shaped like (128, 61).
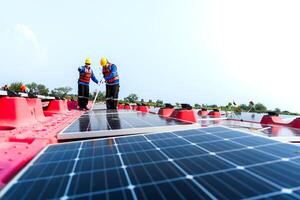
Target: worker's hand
(102, 81)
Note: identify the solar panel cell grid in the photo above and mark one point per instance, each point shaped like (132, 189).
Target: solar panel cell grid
(94, 124)
(114, 121)
(197, 164)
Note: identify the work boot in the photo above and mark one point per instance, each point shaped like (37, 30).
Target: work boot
(85, 103)
(111, 104)
(115, 104)
(108, 105)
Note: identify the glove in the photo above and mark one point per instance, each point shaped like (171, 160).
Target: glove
(102, 81)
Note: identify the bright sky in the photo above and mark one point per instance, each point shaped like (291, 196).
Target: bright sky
(193, 51)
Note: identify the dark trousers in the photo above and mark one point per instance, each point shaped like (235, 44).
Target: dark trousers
(83, 95)
(112, 94)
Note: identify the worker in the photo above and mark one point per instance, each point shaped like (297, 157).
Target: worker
(5, 88)
(111, 77)
(10, 93)
(24, 89)
(85, 74)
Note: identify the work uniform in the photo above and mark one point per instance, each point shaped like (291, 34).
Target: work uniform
(85, 74)
(110, 74)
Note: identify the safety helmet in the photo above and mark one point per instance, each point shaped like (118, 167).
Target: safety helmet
(88, 61)
(103, 61)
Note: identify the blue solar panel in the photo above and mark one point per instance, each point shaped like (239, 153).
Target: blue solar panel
(207, 163)
(114, 120)
(103, 123)
(235, 184)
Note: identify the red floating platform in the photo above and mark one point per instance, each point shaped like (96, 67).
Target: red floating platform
(143, 108)
(15, 112)
(56, 107)
(166, 112)
(215, 114)
(127, 107)
(72, 105)
(184, 115)
(276, 120)
(202, 112)
(120, 106)
(15, 155)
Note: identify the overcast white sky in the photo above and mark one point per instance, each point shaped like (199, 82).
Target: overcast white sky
(176, 50)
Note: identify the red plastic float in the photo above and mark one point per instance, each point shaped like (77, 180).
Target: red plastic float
(184, 115)
(127, 107)
(143, 108)
(215, 114)
(24, 130)
(36, 107)
(202, 112)
(15, 155)
(165, 112)
(65, 104)
(56, 107)
(134, 107)
(15, 112)
(72, 105)
(120, 106)
(276, 120)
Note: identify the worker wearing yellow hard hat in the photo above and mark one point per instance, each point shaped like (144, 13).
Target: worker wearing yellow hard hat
(85, 75)
(111, 77)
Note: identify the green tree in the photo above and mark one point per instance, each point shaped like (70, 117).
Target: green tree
(38, 88)
(121, 101)
(259, 107)
(15, 86)
(61, 92)
(197, 106)
(132, 98)
(237, 109)
(159, 103)
(100, 97)
(32, 86)
(229, 107)
(42, 89)
(244, 107)
(277, 110)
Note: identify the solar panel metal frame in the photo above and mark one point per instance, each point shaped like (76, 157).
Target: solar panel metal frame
(125, 131)
(22, 172)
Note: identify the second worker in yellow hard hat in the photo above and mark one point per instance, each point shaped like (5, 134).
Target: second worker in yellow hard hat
(111, 77)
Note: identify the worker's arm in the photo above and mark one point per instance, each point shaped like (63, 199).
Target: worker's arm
(113, 73)
(94, 78)
(81, 69)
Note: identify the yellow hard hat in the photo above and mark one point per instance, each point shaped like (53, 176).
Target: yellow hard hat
(103, 61)
(88, 61)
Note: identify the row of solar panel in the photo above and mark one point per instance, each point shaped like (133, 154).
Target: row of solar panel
(216, 163)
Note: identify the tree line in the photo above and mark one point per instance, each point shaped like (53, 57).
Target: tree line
(41, 89)
(63, 93)
(231, 106)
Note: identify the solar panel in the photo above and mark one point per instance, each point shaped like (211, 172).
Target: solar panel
(103, 123)
(227, 164)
